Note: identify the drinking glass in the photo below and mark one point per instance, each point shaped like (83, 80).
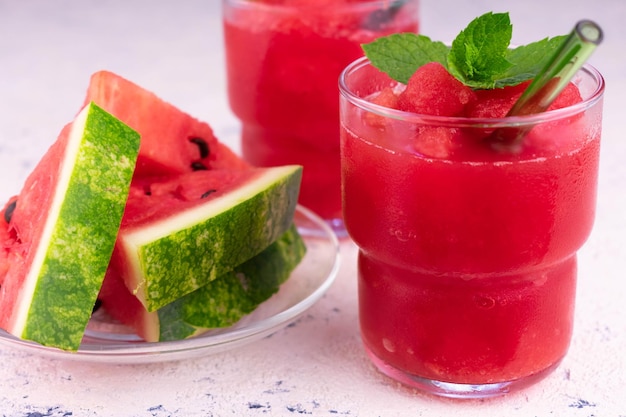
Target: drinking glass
(283, 61)
(467, 259)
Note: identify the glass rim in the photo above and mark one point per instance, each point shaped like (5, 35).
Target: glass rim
(477, 122)
(366, 5)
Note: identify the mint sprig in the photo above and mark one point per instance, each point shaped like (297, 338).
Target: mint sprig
(480, 56)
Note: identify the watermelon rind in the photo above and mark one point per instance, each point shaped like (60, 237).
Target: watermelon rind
(227, 299)
(81, 227)
(171, 257)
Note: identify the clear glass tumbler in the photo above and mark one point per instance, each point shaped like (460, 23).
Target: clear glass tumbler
(467, 261)
(283, 61)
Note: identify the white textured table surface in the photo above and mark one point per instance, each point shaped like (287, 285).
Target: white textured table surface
(316, 366)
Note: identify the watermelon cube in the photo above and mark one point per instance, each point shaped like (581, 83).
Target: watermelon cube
(432, 90)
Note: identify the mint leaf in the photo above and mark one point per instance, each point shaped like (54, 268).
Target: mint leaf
(478, 53)
(480, 56)
(528, 60)
(401, 54)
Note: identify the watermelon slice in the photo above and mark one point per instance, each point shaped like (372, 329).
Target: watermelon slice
(172, 142)
(174, 146)
(180, 233)
(59, 234)
(192, 211)
(220, 303)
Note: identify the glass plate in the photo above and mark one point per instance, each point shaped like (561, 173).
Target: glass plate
(106, 340)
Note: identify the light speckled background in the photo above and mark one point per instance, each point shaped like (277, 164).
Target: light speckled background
(316, 365)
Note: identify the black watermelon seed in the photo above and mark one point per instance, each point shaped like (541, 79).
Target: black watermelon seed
(203, 147)
(8, 213)
(208, 193)
(97, 305)
(198, 166)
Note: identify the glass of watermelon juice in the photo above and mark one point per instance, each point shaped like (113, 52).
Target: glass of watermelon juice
(283, 61)
(467, 255)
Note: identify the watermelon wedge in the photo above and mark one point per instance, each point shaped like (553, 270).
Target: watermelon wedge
(181, 232)
(220, 303)
(166, 216)
(58, 235)
(174, 145)
(172, 142)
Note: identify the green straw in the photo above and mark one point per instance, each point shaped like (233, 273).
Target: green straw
(547, 85)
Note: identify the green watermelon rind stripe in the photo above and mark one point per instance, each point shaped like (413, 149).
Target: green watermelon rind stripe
(225, 300)
(186, 251)
(81, 229)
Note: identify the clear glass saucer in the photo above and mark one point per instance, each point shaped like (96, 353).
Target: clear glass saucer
(106, 340)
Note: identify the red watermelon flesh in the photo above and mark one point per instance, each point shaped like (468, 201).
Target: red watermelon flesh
(172, 142)
(434, 91)
(25, 228)
(155, 198)
(496, 102)
(123, 306)
(7, 238)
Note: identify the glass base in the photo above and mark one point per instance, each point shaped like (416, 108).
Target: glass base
(454, 390)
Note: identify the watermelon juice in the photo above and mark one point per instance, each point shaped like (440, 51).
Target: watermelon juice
(467, 260)
(283, 61)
